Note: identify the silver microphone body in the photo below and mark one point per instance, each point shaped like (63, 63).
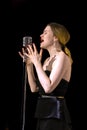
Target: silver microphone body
(27, 40)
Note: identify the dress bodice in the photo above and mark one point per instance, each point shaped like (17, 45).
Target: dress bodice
(60, 90)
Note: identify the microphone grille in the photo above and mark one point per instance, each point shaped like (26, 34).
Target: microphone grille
(27, 40)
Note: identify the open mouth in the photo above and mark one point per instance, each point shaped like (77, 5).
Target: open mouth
(41, 40)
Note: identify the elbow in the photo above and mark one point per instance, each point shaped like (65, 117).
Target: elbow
(33, 90)
(48, 87)
(48, 90)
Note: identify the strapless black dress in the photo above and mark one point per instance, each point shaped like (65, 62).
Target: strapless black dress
(51, 110)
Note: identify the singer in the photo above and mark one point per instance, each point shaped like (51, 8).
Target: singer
(53, 77)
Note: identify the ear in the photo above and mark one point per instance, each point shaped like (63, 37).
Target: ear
(55, 39)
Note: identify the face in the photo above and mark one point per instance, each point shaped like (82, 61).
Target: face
(47, 38)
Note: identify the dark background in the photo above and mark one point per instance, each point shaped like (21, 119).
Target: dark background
(23, 17)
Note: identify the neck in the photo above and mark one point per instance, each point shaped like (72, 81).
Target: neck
(52, 51)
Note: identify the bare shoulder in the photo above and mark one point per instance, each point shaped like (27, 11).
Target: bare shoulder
(59, 57)
(63, 57)
(64, 62)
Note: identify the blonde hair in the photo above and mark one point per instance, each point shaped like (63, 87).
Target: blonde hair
(63, 36)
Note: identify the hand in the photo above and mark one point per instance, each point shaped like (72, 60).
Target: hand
(33, 54)
(21, 53)
(25, 59)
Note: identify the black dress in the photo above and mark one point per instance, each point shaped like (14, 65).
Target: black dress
(51, 110)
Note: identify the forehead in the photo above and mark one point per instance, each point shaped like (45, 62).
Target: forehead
(47, 28)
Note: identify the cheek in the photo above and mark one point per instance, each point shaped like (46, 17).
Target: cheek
(50, 41)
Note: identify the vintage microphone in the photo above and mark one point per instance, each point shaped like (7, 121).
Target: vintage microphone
(27, 40)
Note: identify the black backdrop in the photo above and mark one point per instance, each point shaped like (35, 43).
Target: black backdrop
(20, 18)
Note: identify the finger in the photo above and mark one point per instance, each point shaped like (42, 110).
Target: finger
(41, 52)
(35, 49)
(30, 50)
(20, 54)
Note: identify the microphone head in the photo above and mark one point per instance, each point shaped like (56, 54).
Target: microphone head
(27, 40)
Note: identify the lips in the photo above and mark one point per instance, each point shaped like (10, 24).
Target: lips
(41, 40)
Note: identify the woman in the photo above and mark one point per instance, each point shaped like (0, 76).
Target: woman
(52, 77)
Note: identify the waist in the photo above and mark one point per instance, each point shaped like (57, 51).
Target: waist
(46, 96)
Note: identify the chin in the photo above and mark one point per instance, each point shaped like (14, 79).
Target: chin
(41, 46)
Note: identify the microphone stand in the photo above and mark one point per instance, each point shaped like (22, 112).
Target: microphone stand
(24, 94)
(27, 40)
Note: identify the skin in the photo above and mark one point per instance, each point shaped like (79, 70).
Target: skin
(58, 63)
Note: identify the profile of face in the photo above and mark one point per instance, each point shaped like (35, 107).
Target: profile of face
(47, 37)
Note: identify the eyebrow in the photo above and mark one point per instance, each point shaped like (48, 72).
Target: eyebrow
(45, 30)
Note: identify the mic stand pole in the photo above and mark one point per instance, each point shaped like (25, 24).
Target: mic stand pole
(24, 94)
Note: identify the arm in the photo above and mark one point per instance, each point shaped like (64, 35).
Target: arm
(30, 71)
(48, 83)
(31, 77)
(57, 72)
